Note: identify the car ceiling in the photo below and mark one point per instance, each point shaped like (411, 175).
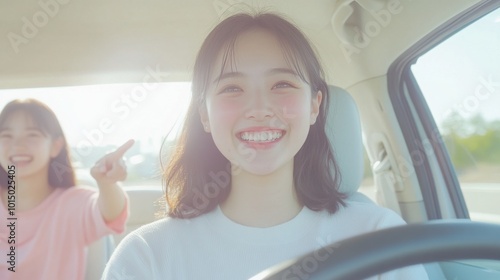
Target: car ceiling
(49, 43)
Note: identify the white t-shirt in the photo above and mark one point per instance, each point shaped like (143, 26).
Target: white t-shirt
(212, 246)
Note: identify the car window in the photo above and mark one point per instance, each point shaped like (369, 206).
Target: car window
(97, 119)
(460, 80)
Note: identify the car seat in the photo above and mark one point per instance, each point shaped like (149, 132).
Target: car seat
(344, 130)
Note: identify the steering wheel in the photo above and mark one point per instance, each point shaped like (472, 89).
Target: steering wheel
(388, 249)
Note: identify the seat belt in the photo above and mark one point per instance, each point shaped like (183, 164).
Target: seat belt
(385, 182)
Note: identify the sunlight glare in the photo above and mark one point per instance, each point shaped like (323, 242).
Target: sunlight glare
(101, 115)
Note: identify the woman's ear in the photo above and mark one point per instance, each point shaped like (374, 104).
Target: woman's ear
(315, 104)
(57, 146)
(202, 109)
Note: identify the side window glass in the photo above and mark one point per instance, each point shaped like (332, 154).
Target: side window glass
(460, 80)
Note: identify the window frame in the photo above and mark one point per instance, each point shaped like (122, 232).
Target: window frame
(405, 93)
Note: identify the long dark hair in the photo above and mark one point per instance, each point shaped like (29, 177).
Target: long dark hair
(61, 172)
(198, 176)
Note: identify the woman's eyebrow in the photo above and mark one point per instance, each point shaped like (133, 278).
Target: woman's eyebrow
(272, 71)
(36, 129)
(283, 71)
(227, 75)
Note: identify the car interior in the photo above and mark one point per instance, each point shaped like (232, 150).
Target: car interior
(366, 47)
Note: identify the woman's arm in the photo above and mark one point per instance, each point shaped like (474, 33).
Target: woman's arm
(107, 172)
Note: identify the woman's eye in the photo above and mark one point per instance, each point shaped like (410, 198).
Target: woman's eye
(231, 89)
(282, 85)
(34, 135)
(5, 135)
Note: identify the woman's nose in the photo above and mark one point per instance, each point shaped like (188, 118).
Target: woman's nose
(259, 106)
(19, 141)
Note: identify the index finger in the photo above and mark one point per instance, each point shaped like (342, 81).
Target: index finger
(123, 149)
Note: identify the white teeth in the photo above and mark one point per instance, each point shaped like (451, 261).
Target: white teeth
(263, 136)
(20, 158)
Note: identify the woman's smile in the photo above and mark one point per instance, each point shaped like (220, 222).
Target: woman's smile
(21, 160)
(260, 138)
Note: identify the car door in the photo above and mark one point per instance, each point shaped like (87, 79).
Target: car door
(445, 91)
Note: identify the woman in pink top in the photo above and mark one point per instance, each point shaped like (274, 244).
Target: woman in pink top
(47, 221)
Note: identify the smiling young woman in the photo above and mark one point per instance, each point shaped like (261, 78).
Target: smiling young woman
(259, 106)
